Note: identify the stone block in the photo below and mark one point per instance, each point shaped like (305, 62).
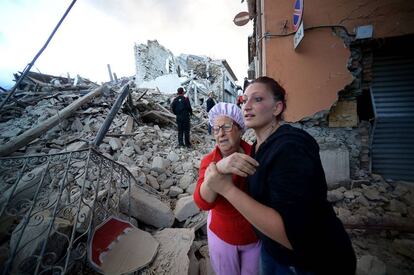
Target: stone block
(336, 165)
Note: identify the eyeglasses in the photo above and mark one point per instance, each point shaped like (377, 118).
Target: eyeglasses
(227, 127)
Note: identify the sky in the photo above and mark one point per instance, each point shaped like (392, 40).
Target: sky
(100, 32)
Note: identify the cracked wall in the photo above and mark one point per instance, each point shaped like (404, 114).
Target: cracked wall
(316, 71)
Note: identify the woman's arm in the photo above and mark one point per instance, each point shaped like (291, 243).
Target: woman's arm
(206, 193)
(265, 219)
(237, 163)
(203, 196)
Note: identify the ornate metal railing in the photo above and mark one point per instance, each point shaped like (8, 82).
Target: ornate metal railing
(50, 205)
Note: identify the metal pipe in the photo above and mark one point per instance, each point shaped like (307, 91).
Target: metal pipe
(114, 110)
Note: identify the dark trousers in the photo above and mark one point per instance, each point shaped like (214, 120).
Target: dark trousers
(269, 266)
(184, 131)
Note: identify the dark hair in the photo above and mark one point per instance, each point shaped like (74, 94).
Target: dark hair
(278, 92)
(180, 91)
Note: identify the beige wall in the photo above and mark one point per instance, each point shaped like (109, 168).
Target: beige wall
(315, 73)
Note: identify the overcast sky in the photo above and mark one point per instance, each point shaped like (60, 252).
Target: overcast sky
(100, 32)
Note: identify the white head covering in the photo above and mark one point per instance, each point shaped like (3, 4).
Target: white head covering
(229, 110)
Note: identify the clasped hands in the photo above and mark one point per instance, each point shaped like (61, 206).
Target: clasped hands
(218, 176)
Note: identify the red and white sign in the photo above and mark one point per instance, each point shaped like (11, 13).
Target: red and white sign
(298, 23)
(297, 14)
(118, 247)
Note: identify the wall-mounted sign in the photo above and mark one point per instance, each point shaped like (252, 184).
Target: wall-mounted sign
(298, 36)
(298, 23)
(297, 14)
(241, 18)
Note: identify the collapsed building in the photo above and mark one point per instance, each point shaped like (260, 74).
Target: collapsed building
(157, 67)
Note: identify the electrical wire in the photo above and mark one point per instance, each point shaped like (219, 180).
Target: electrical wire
(270, 35)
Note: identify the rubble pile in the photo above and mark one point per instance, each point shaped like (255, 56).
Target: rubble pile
(381, 215)
(141, 137)
(137, 171)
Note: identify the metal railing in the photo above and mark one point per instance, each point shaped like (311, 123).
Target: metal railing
(50, 205)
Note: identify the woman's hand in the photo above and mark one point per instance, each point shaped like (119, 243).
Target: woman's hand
(239, 164)
(216, 181)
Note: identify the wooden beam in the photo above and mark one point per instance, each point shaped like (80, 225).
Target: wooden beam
(400, 224)
(23, 139)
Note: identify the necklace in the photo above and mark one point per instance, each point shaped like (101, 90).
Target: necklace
(273, 127)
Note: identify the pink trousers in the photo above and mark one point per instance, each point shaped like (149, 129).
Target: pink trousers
(228, 259)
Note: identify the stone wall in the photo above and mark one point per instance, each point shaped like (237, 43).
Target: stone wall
(151, 61)
(354, 140)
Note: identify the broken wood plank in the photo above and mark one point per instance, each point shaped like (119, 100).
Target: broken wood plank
(49, 123)
(166, 110)
(142, 94)
(122, 135)
(381, 223)
(38, 82)
(129, 125)
(159, 117)
(199, 127)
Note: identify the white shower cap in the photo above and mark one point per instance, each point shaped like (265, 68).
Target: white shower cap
(229, 110)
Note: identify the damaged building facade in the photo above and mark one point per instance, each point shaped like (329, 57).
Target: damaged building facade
(157, 67)
(349, 81)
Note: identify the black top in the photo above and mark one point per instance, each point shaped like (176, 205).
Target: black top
(245, 84)
(210, 103)
(291, 180)
(181, 107)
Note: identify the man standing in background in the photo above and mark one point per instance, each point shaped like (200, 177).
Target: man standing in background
(181, 108)
(210, 103)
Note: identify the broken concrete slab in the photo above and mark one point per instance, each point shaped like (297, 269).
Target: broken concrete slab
(172, 257)
(147, 208)
(185, 208)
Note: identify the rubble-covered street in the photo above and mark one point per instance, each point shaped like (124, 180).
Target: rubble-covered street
(57, 186)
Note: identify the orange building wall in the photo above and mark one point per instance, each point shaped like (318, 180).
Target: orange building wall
(316, 71)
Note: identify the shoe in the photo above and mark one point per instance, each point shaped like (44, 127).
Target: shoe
(179, 146)
(189, 146)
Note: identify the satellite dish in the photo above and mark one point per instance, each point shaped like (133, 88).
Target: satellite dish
(242, 18)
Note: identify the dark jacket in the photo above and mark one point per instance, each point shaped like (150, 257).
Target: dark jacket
(291, 180)
(181, 107)
(210, 103)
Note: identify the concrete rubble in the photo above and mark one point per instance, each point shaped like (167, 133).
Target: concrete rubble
(157, 67)
(142, 138)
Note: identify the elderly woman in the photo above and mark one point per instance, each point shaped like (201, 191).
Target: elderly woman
(233, 245)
